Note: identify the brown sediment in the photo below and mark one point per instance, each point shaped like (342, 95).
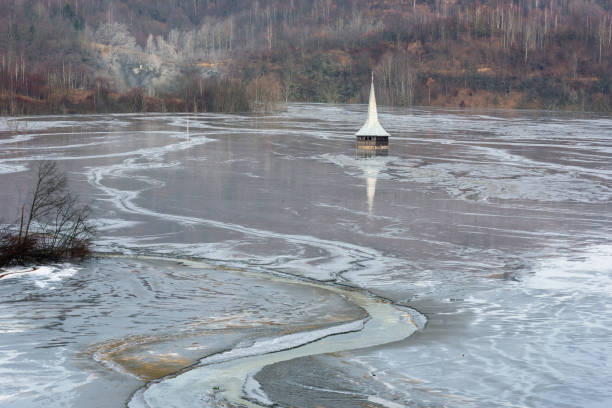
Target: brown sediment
(503, 276)
(409, 318)
(153, 368)
(132, 356)
(136, 355)
(153, 356)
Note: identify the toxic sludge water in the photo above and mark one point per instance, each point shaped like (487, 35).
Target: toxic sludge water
(496, 225)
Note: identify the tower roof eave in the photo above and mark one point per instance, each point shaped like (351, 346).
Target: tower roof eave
(369, 130)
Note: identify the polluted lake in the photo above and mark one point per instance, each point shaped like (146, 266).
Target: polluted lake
(262, 260)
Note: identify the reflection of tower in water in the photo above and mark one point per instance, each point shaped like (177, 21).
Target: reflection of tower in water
(372, 141)
(371, 162)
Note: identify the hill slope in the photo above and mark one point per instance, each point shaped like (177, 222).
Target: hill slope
(125, 55)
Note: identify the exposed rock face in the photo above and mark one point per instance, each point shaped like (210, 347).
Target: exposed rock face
(157, 67)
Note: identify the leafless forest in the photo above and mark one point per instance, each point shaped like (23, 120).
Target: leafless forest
(238, 55)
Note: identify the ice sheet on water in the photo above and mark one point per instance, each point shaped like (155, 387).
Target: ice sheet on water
(147, 316)
(384, 402)
(498, 181)
(545, 338)
(37, 123)
(42, 276)
(588, 271)
(18, 138)
(252, 391)
(110, 224)
(474, 180)
(288, 341)
(6, 168)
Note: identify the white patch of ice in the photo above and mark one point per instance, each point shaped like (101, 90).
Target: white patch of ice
(22, 389)
(16, 139)
(288, 341)
(14, 326)
(138, 400)
(107, 224)
(588, 272)
(252, 391)
(43, 276)
(384, 402)
(6, 168)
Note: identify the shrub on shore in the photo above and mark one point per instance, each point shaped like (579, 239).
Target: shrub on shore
(53, 224)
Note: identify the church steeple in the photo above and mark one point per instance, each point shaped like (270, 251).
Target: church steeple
(372, 126)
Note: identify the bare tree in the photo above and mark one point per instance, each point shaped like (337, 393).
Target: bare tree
(56, 224)
(50, 193)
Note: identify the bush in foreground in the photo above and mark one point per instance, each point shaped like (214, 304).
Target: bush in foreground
(53, 225)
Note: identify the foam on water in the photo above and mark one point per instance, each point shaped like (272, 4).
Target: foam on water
(44, 277)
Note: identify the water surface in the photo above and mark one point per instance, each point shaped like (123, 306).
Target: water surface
(494, 224)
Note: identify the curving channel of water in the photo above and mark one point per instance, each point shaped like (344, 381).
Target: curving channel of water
(228, 377)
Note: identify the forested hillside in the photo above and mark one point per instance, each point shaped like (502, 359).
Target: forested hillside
(236, 55)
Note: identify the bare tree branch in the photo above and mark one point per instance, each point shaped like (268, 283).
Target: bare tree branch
(57, 225)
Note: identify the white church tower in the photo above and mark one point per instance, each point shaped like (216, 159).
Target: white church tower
(372, 135)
